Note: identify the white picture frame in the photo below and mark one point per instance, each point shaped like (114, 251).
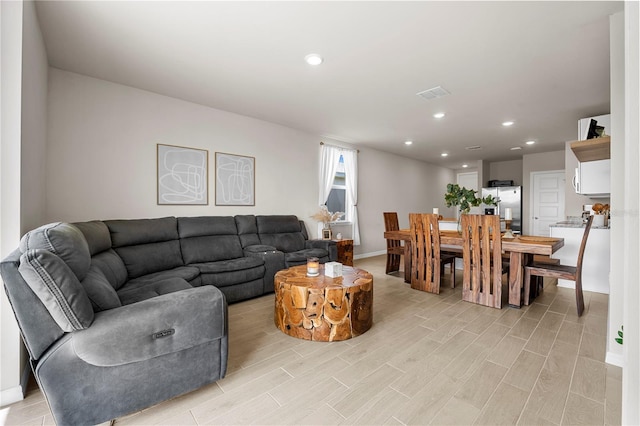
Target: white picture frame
(235, 180)
(183, 175)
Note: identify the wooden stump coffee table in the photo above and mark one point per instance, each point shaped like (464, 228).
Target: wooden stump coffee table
(323, 308)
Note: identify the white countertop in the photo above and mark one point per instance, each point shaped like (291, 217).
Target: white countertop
(575, 224)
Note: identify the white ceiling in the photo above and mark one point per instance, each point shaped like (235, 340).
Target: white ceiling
(543, 65)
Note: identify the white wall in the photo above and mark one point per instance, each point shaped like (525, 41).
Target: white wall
(629, 217)
(101, 160)
(391, 183)
(102, 153)
(10, 90)
(22, 173)
(35, 69)
(506, 170)
(616, 278)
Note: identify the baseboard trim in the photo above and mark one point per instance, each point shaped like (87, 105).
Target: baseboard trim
(372, 254)
(614, 359)
(11, 395)
(16, 393)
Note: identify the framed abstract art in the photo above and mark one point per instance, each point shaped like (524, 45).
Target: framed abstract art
(235, 180)
(183, 175)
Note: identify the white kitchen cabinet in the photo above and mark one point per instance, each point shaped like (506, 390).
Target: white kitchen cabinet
(593, 178)
(595, 265)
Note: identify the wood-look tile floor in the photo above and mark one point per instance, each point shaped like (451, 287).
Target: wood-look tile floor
(428, 359)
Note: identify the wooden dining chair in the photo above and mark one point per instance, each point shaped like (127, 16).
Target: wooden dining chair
(427, 261)
(481, 250)
(395, 249)
(565, 272)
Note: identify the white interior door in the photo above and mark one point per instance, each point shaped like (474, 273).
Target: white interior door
(469, 180)
(547, 201)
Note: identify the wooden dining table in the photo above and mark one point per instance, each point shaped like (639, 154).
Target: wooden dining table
(521, 250)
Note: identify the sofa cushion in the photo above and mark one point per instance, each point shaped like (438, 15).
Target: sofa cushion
(100, 291)
(112, 266)
(187, 273)
(303, 229)
(58, 288)
(147, 290)
(233, 278)
(130, 232)
(97, 235)
(282, 232)
(146, 245)
(148, 258)
(212, 238)
(231, 272)
(246, 224)
(286, 242)
(299, 257)
(64, 240)
(206, 225)
(229, 265)
(277, 224)
(247, 230)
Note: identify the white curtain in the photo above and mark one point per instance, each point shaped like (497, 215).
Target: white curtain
(329, 158)
(350, 158)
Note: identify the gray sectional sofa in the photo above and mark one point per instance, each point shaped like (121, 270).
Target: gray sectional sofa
(118, 315)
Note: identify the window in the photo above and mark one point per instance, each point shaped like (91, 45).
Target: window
(337, 200)
(338, 184)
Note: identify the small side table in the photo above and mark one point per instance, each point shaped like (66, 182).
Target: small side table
(345, 251)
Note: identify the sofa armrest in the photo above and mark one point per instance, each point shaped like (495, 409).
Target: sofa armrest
(154, 327)
(329, 245)
(117, 366)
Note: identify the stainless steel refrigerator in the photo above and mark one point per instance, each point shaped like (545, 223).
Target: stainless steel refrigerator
(507, 196)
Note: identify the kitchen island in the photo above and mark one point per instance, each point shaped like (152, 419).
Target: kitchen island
(596, 262)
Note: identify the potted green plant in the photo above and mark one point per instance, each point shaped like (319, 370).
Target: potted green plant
(465, 198)
(620, 335)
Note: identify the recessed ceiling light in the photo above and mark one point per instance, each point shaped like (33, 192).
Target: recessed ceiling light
(507, 123)
(313, 59)
(464, 166)
(516, 148)
(408, 142)
(444, 154)
(438, 115)
(530, 142)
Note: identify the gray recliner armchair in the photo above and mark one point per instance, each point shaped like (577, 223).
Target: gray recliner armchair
(96, 358)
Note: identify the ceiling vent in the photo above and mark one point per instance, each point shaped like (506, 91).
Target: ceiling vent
(474, 147)
(433, 93)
